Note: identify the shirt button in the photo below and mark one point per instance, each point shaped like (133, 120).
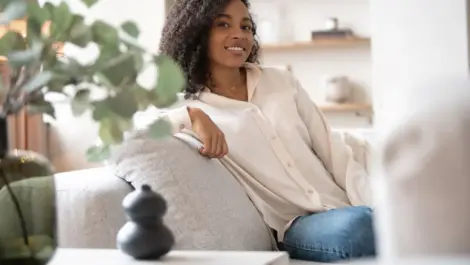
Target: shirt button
(310, 192)
(182, 126)
(273, 137)
(289, 164)
(254, 110)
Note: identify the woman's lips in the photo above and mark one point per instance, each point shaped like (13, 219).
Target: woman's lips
(236, 50)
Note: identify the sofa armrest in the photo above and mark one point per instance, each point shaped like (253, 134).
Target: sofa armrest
(89, 208)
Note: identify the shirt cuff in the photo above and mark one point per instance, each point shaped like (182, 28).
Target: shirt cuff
(179, 119)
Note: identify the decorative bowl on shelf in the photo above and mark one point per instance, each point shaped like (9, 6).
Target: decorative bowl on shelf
(338, 89)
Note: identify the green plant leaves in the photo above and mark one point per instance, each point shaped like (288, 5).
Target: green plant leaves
(110, 132)
(104, 34)
(102, 80)
(14, 10)
(112, 129)
(61, 20)
(41, 106)
(33, 30)
(170, 81)
(80, 34)
(115, 72)
(37, 16)
(101, 110)
(98, 153)
(143, 97)
(38, 81)
(130, 28)
(12, 40)
(49, 7)
(57, 84)
(89, 3)
(40, 15)
(123, 104)
(26, 57)
(121, 71)
(160, 128)
(131, 43)
(81, 102)
(70, 67)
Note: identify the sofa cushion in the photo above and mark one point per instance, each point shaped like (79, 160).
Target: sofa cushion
(89, 207)
(207, 208)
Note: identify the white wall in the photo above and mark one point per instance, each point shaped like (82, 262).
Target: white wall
(72, 136)
(311, 67)
(414, 42)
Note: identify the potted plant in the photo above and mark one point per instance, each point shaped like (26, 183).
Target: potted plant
(36, 69)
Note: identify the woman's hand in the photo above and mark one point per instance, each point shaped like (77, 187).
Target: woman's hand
(211, 136)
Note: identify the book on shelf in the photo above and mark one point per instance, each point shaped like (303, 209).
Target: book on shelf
(332, 34)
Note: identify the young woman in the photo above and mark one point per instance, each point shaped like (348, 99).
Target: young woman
(264, 128)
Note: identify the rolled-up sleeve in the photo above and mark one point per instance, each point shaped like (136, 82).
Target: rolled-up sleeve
(179, 119)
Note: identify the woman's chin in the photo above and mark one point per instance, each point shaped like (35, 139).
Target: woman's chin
(235, 64)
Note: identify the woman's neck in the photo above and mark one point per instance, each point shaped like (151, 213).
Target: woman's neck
(223, 79)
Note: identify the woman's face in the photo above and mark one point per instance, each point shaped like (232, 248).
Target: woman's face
(231, 36)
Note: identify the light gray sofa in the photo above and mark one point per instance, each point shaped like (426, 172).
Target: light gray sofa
(208, 209)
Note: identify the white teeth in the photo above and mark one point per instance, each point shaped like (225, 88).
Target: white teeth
(235, 49)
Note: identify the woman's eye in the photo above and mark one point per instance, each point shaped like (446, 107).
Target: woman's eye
(248, 28)
(223, 24)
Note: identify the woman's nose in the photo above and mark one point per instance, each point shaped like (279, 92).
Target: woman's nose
(238, 33)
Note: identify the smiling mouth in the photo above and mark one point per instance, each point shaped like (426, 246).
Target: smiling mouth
(235, 49)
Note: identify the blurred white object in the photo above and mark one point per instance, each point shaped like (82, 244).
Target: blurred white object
(284, 67)
(338, 89)
(423, 184)
(331, 23)
(267, 32)
(286, 27)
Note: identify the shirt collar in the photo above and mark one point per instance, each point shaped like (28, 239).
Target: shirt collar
(253, 75)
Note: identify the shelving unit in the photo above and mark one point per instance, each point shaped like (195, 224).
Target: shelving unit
(325, 43)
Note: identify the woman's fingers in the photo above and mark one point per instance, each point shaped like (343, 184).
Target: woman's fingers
(224, 148)
(214, 143)
(207, 145)
(210, 143)
(220, 145)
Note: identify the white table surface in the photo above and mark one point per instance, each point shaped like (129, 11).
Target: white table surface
(462, 260)
(116, 257)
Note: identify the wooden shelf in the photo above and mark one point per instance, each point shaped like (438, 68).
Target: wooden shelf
(325, 43)
(344, 107)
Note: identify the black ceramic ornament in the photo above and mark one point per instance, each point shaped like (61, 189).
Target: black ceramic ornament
(145, 236)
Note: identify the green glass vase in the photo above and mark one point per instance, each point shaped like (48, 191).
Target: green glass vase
(27, 207)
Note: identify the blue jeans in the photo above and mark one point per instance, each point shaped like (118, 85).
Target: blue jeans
(339, 234)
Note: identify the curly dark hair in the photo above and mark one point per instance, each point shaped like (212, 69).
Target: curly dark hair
(185, 38)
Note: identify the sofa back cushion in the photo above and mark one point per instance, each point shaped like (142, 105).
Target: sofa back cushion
(207, 208)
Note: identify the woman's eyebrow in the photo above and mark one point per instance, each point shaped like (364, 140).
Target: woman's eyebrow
(224, 16)
(247, 19)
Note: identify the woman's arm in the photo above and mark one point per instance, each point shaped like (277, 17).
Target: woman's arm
(335, 154)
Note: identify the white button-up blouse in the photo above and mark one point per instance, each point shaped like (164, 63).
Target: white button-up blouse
(280, 148)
